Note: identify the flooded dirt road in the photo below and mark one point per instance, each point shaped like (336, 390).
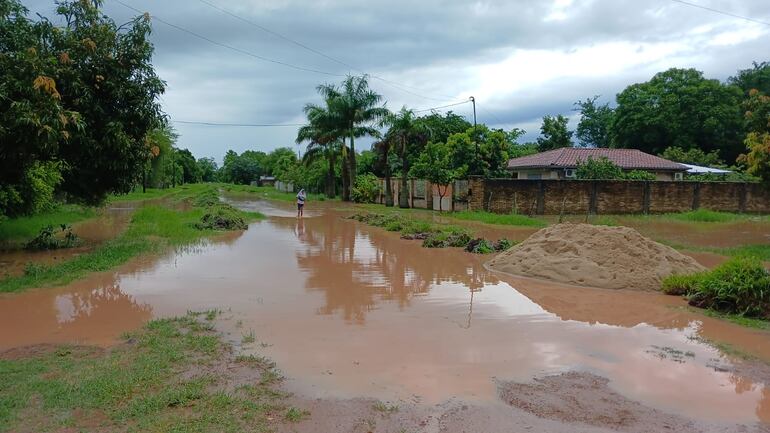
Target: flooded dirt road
(351, 311)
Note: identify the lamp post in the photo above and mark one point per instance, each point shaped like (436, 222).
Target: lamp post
(473, 100)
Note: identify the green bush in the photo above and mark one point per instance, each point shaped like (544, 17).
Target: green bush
(598, 169)
(480, 246)
(639, 175)
(739, 286)
(680, 285)
(221, 217)
(51, 238)
(504, 245)
(366, 189)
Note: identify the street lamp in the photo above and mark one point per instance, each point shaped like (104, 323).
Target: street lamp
(473, 100)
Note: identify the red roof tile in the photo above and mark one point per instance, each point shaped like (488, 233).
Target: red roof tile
(568, 157)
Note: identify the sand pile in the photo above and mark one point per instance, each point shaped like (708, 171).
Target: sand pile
(595, 256)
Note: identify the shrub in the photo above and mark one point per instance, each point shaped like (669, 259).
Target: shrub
(598, 169)
(680, 285)
(480, 246)
(740, 286)
(51, 238)
(447, 239)
(639, 175)
(366, 189)
(207, 198)
(221, 217)
(504, 245)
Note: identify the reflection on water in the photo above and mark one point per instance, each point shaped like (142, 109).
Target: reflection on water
(351, 310)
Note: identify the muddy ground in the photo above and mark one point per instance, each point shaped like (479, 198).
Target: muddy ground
(378, 334)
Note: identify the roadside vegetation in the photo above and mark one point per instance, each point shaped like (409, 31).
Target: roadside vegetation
(266, 193)
(498, 219)
(152, 229)
(172, 375)
(432, 235)
(15, 232)
(739, 287)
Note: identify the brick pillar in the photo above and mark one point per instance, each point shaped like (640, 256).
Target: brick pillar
(742, 197)
(696, 197)
(428, 195)
(540, 197)
(646, 198)
(476, 193)
(593, 199)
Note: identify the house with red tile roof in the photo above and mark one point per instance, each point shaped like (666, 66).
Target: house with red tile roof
(562, 163)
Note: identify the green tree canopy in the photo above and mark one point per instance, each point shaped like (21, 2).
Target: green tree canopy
(680, 108)
(208, 169)
(435, 165)
(692, 156)
(595, 121)
(757, 77)
(554, 133)
(78, 99)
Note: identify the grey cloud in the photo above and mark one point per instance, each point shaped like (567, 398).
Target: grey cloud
(429, 44)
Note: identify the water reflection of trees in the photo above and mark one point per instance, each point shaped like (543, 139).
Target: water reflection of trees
(356, 267)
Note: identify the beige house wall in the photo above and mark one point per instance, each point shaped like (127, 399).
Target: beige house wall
(556, 174)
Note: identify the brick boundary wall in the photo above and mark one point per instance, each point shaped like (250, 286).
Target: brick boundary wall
(554, 197)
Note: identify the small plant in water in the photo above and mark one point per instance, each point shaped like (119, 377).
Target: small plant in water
(295, 415)
(249, 338)
(385, 408)
(51, 238)
(33, 270)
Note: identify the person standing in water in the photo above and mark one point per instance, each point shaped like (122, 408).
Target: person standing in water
(301, 197)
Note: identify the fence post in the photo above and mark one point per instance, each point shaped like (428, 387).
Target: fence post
(743, 197)
(593, 199)
(646, 198)
(696, 197)
(540, 197)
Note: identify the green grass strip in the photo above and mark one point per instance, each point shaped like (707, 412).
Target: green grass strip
(22, 229)
(141, 384)
(497, 219)
(152, 229)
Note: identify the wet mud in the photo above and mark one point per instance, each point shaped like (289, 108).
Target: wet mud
(353, 313)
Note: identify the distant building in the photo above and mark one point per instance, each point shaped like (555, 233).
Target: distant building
(266, 181)
(699, 169)
(562, 163)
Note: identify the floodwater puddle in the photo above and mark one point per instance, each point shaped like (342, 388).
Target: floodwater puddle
(347, 310)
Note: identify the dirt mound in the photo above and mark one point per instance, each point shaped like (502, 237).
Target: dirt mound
(595, 256)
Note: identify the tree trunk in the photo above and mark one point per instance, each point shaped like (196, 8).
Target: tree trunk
(388, 189)
(352, 159)
(345, 176)
(330, 193)
(403, 193)
(144, 181)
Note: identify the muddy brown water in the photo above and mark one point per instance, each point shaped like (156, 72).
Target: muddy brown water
(348, 310)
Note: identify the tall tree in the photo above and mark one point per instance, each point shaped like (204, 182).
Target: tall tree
(756, 77)
(405, 134)
(208, 169)
(680, 108)
(79, 98)
(595, 121)
(554, 133)
(356, 107)
(324, 142)
(435, 164)
(382, 149)
(757, 141)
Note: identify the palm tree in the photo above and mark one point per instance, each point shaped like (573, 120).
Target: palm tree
(382, 149)
(323, 140)
(405, 134)
(355, 107)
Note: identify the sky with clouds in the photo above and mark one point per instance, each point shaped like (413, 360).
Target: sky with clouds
(520, 59)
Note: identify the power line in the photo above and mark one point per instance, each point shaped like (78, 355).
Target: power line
(230, 47)
(398, 86)
(721, 12)
(238, 125)
(443, 106)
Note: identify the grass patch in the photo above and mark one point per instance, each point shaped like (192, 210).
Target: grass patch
(738, 320)
(268, 193)
(152, 229)
(20, 230)
(739, 287)
(705, 216)
(295, 415)
(498, 219)
(385, 408)
(157, 381)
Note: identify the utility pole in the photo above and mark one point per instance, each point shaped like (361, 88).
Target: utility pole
(473, 100)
